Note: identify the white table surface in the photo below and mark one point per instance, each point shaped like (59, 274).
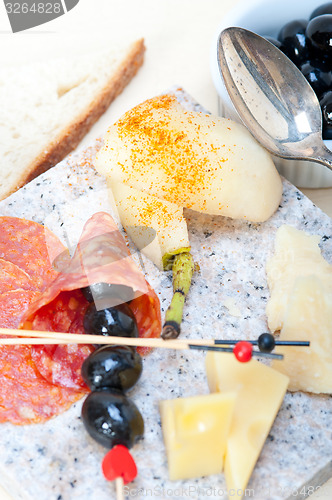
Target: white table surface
(178, 35)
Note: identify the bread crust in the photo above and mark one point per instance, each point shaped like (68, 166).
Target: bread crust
(71, 136)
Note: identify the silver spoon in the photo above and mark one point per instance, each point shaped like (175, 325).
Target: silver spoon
(272, 97)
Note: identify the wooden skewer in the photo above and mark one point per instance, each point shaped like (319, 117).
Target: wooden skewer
(44, 337)
(136, 343)
(119, 488)
(73, 338)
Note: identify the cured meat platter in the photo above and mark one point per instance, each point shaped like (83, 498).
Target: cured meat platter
(58, 460)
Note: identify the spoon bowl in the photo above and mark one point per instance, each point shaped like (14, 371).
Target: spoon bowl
(272, 97)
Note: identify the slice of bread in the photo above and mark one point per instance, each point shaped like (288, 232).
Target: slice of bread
(47, 108)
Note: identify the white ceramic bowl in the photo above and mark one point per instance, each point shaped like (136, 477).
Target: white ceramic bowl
(266, 17)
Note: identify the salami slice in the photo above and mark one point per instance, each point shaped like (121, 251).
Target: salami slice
(101, 256)
(147, 313)
(31, 247)
(25, 397)
(61, 364)
(13, 277)
(25, 270)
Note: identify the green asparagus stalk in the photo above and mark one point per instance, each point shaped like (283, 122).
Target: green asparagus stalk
(183, 268)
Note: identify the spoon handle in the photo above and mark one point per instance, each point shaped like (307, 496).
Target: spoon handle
(324, 156)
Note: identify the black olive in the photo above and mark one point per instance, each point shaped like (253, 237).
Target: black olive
(266, 342)
(326, 8)
(117, 367)
(110, 418)
(101, 291)
(117, 321)
(294, 42)
(326, 107)
(319, 74)
(319, 33)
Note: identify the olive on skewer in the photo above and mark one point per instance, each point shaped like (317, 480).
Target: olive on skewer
(109, 417)
(110, 315)
(117, 367)
(117, 320)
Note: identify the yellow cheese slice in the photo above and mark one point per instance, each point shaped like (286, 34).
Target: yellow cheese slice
(195, 431)
(260, 392)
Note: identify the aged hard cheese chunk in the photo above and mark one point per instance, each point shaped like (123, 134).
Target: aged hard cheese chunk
(296, 254)
(195, 430)
(308, 317)
(260, 392)
(300, 281)
(194, 160)
(157, 227)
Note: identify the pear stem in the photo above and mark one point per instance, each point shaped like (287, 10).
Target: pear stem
(183, 268)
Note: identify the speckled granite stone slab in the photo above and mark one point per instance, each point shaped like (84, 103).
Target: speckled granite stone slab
(59, 461)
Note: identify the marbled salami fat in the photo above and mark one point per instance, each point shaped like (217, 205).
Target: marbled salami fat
(12, 305)
(31, 247)
(25, 396)
(13, 277)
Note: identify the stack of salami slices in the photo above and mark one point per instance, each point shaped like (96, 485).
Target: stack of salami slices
(40, 289)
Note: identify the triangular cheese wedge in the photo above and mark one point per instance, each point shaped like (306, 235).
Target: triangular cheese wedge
(260, 392)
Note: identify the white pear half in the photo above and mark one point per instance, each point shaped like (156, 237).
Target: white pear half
(194, 160)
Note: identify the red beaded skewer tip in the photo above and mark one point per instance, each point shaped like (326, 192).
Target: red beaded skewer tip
(118, 462)
(243, 351)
